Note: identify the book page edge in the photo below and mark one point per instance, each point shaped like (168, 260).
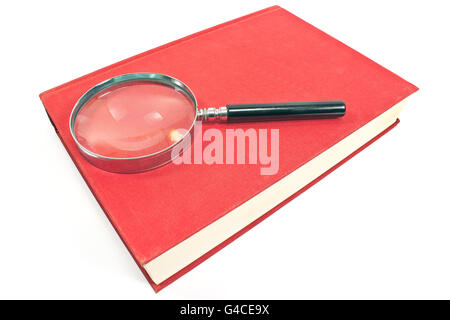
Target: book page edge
(180, 256)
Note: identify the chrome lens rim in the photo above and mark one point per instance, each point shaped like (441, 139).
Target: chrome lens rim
(131, 77)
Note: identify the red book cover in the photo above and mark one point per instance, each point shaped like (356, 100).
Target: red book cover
(267, 56)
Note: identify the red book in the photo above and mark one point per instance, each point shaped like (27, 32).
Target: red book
(174, 217)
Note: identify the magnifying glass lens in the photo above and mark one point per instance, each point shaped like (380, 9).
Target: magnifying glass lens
(133, 119)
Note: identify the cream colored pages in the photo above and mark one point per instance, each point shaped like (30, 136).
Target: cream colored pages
(186, 252)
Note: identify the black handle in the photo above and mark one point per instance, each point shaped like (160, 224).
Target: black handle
(285, 110)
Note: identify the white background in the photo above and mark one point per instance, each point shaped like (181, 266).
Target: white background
(378, 227)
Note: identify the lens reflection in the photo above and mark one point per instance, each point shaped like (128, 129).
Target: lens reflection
(133, 119)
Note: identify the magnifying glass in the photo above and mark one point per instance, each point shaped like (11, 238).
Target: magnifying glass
(133, 122)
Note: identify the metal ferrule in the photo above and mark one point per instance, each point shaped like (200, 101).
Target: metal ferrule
(213, 114)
